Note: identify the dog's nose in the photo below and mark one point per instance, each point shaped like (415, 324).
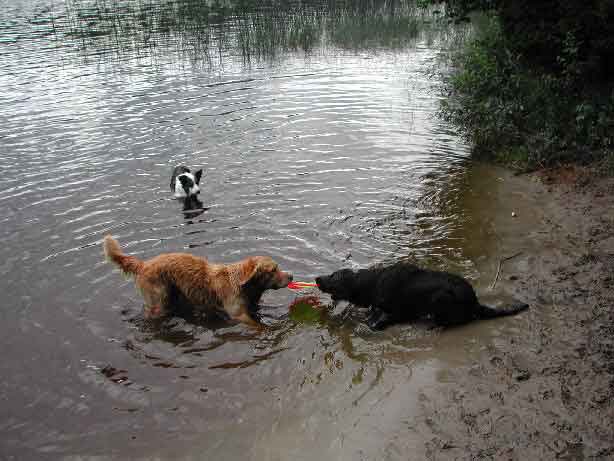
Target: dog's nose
(318, 280)
(290, 277)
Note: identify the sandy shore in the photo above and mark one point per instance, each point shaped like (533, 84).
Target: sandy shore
(545, 391)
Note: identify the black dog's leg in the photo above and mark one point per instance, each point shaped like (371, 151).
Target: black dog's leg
(378, 319)
(373, 314)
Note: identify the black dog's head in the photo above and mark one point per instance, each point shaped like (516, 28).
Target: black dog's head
(340, 284)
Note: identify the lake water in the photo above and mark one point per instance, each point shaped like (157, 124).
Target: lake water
(321, 148)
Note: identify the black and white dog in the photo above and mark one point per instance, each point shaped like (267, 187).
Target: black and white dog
(184, 184)
(403, 292)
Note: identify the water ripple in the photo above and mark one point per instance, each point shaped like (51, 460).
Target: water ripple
(326, 161)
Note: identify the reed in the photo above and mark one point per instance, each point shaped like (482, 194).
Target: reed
(249, 29)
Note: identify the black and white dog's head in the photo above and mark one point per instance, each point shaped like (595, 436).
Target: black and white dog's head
(184, 183)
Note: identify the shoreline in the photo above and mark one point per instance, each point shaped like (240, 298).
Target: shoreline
(537, 385)
(546, 390)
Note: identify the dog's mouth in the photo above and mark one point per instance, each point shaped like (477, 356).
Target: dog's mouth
(322, 284)
(281, 280)
(329, 285)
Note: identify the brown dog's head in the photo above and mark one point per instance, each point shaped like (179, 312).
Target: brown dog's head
(264, 273)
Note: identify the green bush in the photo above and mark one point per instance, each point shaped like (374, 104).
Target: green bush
(525, 115)
(544, 31)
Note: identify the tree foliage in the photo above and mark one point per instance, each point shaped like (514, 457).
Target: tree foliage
(555, 34)
(536, 79)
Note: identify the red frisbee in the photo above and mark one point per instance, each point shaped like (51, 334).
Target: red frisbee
(299, 285)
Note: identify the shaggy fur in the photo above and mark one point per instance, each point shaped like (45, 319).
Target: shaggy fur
(232, 288)
(404, 292)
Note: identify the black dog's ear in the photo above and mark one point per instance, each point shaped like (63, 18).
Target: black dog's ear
(197, 176)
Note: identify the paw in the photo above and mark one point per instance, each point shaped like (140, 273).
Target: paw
(378, 319)
(378, 323)
(376, 326)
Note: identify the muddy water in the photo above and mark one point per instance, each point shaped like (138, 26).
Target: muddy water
(322, 159)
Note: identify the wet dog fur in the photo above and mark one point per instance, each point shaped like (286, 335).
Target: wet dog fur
(234, 289)
(404, 292)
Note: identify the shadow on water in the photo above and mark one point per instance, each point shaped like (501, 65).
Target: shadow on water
(192, 208)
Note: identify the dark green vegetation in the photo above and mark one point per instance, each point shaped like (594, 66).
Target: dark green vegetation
(534, 87)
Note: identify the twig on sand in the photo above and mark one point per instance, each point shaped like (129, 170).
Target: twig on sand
(501, 261)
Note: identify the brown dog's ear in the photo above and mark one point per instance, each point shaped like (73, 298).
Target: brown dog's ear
(248, 270)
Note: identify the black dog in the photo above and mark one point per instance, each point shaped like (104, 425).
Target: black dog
(404, 292)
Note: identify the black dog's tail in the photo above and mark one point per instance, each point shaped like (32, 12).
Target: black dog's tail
(486, 312)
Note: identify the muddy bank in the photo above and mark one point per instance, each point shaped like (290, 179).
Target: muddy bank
(535, 386)
(544, 391)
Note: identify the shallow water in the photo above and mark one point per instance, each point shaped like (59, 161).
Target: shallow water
(326, 158)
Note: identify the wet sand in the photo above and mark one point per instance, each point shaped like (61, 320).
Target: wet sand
(545, 390)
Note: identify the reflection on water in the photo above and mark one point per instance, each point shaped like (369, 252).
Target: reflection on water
(192, 207)
(328, 155)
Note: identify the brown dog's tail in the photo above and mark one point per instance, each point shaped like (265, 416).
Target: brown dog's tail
(113, 252)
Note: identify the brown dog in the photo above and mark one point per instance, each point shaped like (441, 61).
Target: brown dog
(233, 288)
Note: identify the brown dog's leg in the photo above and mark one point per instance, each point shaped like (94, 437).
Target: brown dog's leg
(248, 320)
(155, 295)
(154, 312)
